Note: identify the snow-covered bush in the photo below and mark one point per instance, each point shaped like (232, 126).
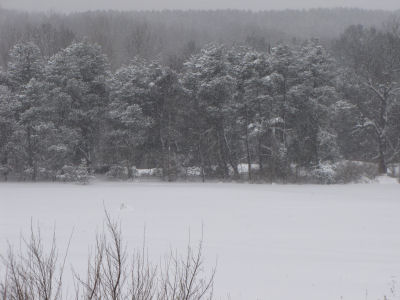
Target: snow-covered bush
(4, 171)
(342, 172)
(324, 174)
(135, 172)
(42, 174)
(355, 171)
(45, 174)
(27, 173)
(67, 174)
(79, 174)
(193, 171)
(82, 173)
(117, 172)
(156, 172)
(394, 170)
(244, 168)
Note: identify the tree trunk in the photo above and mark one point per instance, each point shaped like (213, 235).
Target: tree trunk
(5, 164)
(129, 165)
(31, 162)
(382, 167)
(163, 160)
(285, 112)
(222, 155)
(169, 147)
(228, 153)
(165, 171)
(260, 160)
(247, 144)
(203, 175)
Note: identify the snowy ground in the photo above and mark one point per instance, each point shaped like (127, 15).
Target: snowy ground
(271, 241)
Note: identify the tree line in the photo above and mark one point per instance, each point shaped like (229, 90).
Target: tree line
(289, 109)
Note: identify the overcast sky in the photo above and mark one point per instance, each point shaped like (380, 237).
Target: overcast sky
(81, 5)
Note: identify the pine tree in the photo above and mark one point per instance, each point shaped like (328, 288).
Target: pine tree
(128, 126)
(211, 86)
(25, 63)
(8, 125)
(78, 78)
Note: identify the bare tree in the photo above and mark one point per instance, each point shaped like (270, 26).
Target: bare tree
(374, 58)
(33, 273)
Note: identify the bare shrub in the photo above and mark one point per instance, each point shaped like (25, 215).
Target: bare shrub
(111, 276)
(34, 273)
(181, 277)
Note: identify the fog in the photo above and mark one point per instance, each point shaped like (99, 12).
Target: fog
(82, 5)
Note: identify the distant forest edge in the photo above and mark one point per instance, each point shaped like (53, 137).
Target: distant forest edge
(173, 35)
(171, 94)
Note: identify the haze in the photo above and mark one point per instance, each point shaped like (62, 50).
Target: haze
(83, 5)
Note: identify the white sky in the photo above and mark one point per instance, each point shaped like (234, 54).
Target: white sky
(81, 5)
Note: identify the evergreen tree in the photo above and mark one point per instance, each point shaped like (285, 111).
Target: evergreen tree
(8, 125)
(25, 63)
(128, 126)
(211, 86)
(78, 78)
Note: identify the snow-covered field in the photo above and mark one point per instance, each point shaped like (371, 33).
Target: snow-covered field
(270, 241)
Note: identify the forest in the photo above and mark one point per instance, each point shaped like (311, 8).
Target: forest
(203, 94)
